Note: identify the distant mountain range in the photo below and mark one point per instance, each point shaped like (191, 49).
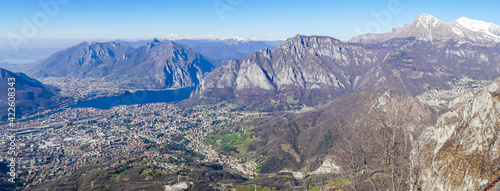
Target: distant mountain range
(429, 28)
(218, 51)
(31, 94)
(154, 65)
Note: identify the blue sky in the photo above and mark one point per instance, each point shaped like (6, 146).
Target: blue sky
(78, 20)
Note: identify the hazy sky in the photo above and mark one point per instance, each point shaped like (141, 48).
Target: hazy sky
(77, 20)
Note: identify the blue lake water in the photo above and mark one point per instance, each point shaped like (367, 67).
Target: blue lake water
(3, 167)
(138, 97)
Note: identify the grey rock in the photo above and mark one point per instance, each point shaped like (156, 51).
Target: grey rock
(314, 69)
(461, 152)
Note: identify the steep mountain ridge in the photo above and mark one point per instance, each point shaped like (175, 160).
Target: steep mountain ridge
(314, 69)
(217, 51)
(168, 65)
(304, 66)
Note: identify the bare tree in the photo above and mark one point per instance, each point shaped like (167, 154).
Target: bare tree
(397, 146)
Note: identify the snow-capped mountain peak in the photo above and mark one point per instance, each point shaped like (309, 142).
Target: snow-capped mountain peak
(427, 21)
(428, 28)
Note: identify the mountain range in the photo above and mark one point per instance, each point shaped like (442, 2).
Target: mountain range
(367, 124)
(154, 65)
(374, 126)
(218, 51)
(314, 69)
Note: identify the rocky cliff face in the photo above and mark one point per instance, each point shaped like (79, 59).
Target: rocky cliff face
(314, 69)
(462, 151)
(429, 28)
(165, 65)
(302, 65)
(155, 65)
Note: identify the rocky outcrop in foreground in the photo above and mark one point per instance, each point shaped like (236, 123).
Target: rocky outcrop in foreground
(462, 151)
(368, 132)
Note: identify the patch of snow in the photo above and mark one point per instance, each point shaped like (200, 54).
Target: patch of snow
(480, 26)
(206, 37)
(475, 25)
(427, 21)
(384, 99)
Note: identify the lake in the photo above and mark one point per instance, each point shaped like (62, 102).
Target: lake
(138, 97)
(4, 168)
